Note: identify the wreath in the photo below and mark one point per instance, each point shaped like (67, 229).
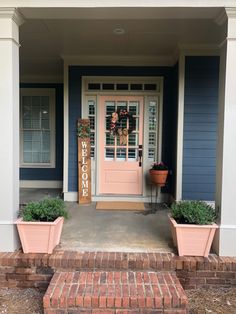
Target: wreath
(116, 122)
(83, 129)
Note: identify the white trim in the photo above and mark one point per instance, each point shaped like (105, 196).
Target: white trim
(180, 128)
(157, 95)
(66, 129)
(121, 3)
(40, 184)
(51, 93)
(12, 13)
(10, 39)
(227, 226)
(160, 120)
(73, 197)
(5, 222)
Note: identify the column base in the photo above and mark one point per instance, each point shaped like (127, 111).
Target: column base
(9, 240)
(224, 242)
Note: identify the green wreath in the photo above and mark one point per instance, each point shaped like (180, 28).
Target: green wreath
(116, 121)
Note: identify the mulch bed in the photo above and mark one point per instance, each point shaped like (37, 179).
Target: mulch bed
(29, 301)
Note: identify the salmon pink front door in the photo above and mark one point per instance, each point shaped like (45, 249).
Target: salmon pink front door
(120, 158)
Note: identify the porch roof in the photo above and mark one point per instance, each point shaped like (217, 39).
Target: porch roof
(114, 36)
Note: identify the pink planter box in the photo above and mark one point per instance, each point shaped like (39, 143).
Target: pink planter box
(192, 240)
(39, 237)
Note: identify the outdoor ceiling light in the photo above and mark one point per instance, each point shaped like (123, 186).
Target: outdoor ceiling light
(119, 31)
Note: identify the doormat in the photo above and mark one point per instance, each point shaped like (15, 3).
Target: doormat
(136, 206)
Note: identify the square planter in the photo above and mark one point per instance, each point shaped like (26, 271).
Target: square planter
(39, 237)
(192, 240)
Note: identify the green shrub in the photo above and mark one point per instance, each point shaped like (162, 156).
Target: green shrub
(193, 212)
(44, 210)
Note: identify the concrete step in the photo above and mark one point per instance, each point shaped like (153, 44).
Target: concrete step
(115, 292)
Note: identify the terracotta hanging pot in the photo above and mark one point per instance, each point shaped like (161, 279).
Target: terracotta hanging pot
(158, 177)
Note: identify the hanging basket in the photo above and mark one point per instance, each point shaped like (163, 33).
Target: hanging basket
(158, 177)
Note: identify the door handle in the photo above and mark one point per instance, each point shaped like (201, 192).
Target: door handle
(140, 154)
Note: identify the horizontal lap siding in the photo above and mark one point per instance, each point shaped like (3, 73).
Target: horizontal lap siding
(200, 127)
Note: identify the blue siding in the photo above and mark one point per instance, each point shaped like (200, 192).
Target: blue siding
(200, 127)
(169, 109)
(57, 172)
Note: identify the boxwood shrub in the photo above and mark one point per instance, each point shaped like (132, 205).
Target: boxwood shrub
(193, 212)
(44, 210)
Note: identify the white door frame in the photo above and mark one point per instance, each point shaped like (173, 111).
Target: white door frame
(148, 96)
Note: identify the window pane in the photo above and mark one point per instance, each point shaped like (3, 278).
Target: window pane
(91, 105)
(26, 124)
(121, 154)
(134, 107)
(121, 105)
(36, 157)
(46, 141)
(46, 157)
(27, 157)
(110, 139)
(36, 135)
(92, 123)
(45, 124)
(27, 136)
(36, 146)
(92, 138)
(109, 153)
(27, 146)
(110, 107)
(151, 154)
(133, 154)
(133, 139)
(152, 139)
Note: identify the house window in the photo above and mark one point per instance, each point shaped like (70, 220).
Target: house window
(37, 128)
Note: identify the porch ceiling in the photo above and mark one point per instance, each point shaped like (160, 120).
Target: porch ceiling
(49, 34)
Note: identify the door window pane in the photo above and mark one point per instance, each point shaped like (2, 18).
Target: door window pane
(153, 128)
(109, 153)
(121, 154)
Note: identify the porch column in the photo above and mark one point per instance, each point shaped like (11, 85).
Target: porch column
(226, 155)
(10, 20)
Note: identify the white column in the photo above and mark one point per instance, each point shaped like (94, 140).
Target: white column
(225, 241)
(10, 20)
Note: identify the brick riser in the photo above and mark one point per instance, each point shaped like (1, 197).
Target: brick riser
(36, 270)
(115, 292)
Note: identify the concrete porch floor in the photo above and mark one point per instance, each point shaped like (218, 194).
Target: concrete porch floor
(88, 229)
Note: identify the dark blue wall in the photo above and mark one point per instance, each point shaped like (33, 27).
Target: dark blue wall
(200, 127)
(57, 172)
(169, 108)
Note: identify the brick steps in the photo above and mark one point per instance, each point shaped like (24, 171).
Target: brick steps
(110, 292)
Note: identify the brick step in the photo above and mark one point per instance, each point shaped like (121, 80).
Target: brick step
(111, 292)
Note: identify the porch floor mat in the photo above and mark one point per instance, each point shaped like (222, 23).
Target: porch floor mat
(111, 206)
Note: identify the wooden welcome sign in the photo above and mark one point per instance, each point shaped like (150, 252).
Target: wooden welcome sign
(84, 162)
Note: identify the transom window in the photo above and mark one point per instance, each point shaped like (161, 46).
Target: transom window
(37, 128)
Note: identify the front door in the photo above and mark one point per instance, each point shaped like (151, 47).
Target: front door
(120, 145)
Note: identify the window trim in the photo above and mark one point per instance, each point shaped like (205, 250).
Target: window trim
(50, 92)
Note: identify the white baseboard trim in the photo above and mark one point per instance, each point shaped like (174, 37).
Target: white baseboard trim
(70, 196)
(40, 184)
(73, 196)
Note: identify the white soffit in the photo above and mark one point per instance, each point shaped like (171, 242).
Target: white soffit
(117, 3)
(121, 12)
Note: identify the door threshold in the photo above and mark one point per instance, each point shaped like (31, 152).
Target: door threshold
(128, 198)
